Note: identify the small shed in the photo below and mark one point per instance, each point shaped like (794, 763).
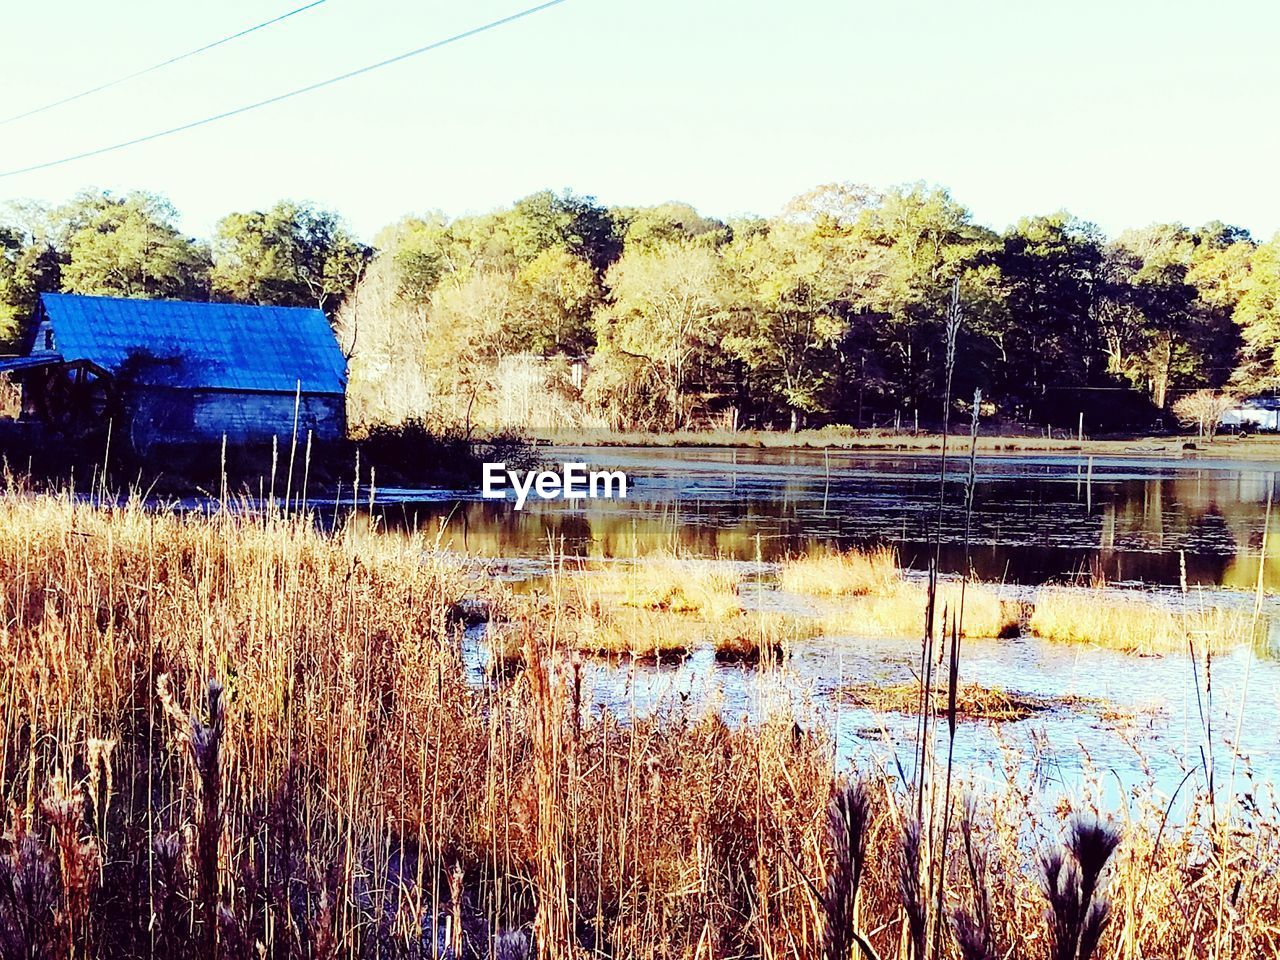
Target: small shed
(1259, 413)
(186, 372)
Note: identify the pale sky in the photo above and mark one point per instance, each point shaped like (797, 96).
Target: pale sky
(1124, 112)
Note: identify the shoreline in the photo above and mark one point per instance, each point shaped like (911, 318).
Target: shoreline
(1173, 448)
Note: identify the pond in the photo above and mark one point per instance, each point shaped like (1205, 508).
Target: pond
(1140, 722)
(1128, 520)
(1134, 522)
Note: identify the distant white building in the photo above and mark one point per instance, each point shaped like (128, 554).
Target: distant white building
(1260, 413)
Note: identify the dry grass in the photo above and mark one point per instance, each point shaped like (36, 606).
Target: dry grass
(644, 634)
(233, 737)
(657, 608)
(842, 574)
(757, 636)
(608, 632)
(973, 701)
(664, 582)
(900, 612)
(1137, 624)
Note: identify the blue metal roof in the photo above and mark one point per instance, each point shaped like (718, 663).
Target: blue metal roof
(18, 364)
(221, 346)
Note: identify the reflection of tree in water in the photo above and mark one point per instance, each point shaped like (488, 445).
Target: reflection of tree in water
(1205, 513)
(1242, 571)
(1029, 528)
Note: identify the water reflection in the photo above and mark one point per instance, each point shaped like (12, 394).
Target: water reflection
(1127, 519)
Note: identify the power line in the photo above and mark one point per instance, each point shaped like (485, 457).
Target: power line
(161, 65)
(181, 128)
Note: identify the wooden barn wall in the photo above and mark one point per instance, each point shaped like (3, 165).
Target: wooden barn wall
(195, 416)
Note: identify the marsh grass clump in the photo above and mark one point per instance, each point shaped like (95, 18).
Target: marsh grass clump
(656, 608)
(756, 636)
(639, 633)
(973, 701)
(665, 582)
(847, 573)
(900, 612)
(1138, 624)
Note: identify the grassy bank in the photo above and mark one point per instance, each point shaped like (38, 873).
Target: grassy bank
(844, 438)
(238, 737)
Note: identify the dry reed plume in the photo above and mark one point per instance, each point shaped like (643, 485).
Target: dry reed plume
(240, 737)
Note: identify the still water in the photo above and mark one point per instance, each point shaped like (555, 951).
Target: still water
(1152, 721)
(1128, 520)
(1141, 728)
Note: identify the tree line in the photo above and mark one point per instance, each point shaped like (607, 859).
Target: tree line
(833, 311)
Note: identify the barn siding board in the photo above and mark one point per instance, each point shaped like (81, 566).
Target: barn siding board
(162, 417)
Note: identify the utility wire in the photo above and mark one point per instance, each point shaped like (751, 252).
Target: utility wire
(491, 25)
(159, 66)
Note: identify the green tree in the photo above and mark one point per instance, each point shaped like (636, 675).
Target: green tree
(790, 307)
(29, 266)
(1048, 272)
(1167, 294)
(903, 253)
(128, 247)
(666, 303)
(667, 223)
(292, 255)
(1258, 315)
(581, 226)
(1219, 272)
(838, 205)
(557, 294)
(420, 251)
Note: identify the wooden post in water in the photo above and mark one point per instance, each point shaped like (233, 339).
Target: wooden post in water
(1088, 487)
(826, 486)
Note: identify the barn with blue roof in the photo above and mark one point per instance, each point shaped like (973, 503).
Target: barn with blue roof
(186, 372)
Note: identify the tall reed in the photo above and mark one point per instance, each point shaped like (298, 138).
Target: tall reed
(349, 787)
